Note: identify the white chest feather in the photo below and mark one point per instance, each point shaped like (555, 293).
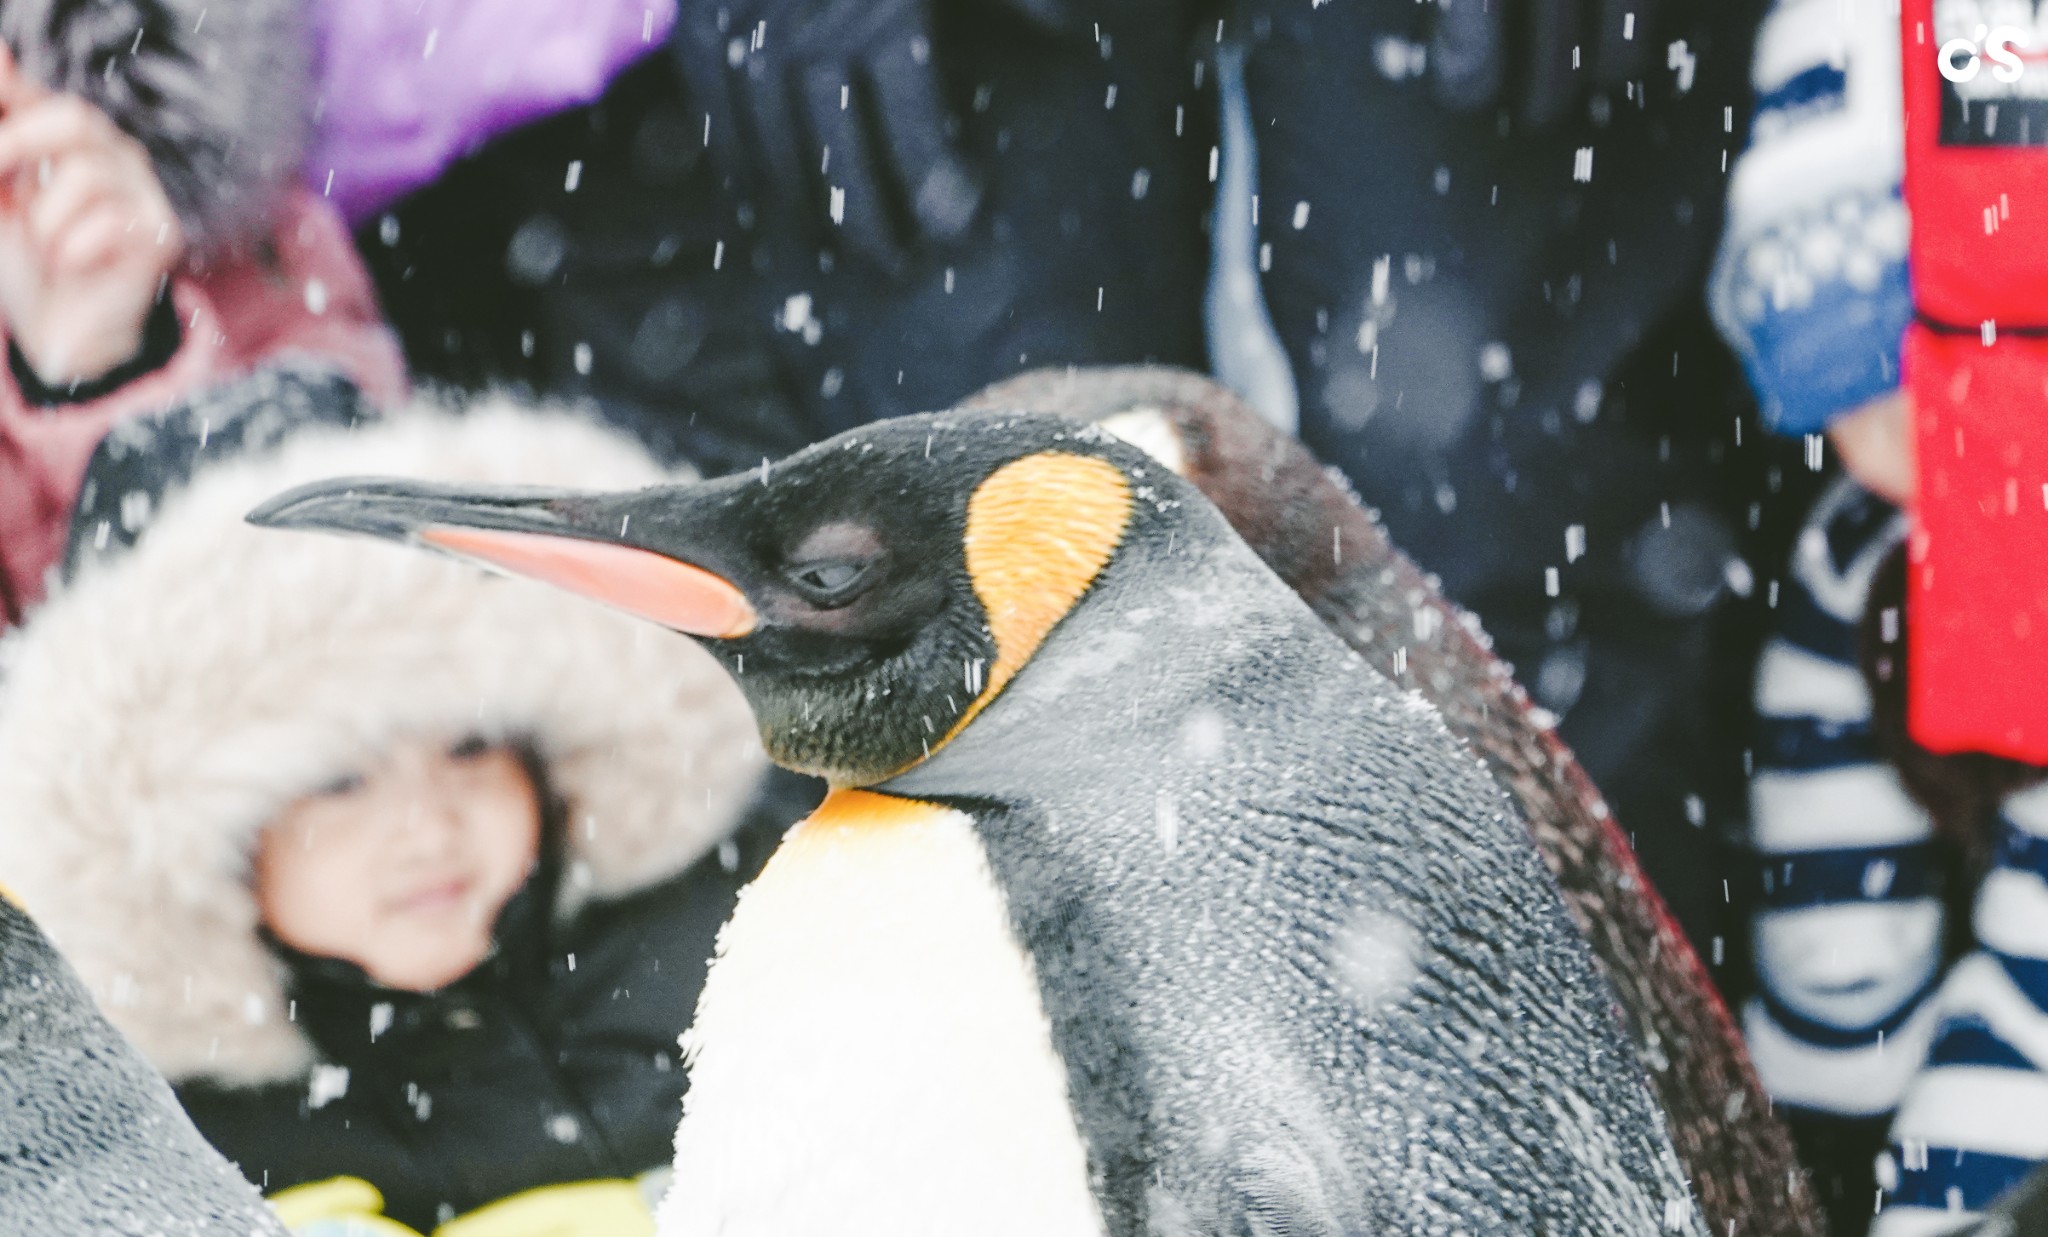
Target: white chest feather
(871, 1053)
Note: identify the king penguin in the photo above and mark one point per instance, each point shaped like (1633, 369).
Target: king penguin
(1318, 537)
(1141, 904)
(92, 1142)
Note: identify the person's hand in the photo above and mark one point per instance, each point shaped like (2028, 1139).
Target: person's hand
(1536, 57)
(1876, 446)
(831, 112)
(86, 233)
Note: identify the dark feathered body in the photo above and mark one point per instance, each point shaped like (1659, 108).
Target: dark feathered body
(92, 1143)
(1304, 968)
(1318, 538)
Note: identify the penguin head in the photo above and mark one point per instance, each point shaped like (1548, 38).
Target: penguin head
(871, 594)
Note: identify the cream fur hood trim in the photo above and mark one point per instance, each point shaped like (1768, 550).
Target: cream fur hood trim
(159, 710)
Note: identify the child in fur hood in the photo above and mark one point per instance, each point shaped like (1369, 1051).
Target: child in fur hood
(406, 876)
(151, 237)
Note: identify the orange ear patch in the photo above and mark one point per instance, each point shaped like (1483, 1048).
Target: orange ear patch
(1039, 530)
(653, 586)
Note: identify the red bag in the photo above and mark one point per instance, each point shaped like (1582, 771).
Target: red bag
(1976, 366)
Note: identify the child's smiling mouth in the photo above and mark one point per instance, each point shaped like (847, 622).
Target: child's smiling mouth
(437, 898)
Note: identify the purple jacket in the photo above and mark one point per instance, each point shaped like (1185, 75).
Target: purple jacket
(406, 87)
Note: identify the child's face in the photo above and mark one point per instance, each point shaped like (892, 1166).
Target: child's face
(403, 869)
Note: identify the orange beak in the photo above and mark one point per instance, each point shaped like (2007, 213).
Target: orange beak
(548, 536)
(652, 586)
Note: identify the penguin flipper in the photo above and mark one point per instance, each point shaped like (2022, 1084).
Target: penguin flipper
(95, 1140)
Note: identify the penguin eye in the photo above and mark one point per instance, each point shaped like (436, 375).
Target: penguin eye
(834, 563)
(831, 582)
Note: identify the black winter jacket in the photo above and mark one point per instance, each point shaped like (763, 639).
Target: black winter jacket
(555, 1061)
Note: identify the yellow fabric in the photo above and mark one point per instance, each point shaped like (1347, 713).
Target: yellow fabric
(574, 1209)
(336, 1207)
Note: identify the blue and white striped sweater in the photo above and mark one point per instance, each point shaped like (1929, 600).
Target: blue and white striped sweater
(1975, 1118)
(1848, 929)
(1855, 1017)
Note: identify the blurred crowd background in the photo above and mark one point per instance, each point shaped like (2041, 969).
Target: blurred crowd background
(1590, 300)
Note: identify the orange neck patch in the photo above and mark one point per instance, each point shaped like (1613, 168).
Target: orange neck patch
(846, 808)
(1039, 531)
(848, 816)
